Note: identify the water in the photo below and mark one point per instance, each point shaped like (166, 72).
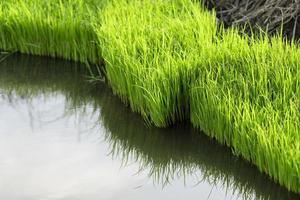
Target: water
(63, 138)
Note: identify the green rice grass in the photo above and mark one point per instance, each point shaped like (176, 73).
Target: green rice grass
(57, 28)
(151, 51)
(248, 98)
(171, 61)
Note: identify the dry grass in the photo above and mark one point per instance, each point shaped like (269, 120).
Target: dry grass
(266, 14)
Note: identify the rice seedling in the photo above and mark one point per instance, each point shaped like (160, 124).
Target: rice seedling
(149, 50)
(250, 102)
(52, 28)
(170, 61)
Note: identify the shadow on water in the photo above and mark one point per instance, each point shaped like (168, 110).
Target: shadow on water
(167, 154)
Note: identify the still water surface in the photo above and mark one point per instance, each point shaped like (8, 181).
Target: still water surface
(62, 138)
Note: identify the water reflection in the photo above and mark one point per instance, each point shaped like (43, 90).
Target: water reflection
(53, 92)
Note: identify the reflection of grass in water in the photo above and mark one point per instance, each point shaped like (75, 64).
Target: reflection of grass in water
(3, 56)
(165, 155)
(23, 78)
(31, 76)
(179, 152)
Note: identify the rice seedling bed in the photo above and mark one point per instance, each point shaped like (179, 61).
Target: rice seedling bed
(171, 62)
(54, 28)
